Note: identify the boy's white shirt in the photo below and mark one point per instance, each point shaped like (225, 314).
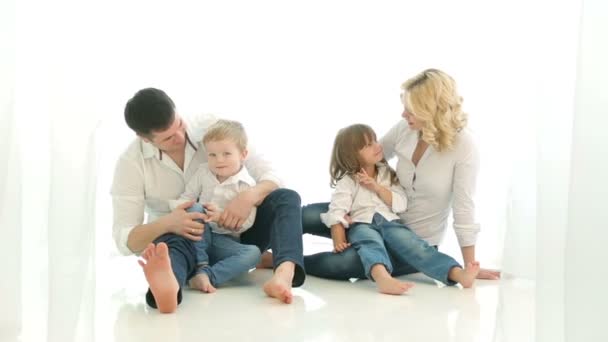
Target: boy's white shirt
(205, 186)
(361, 204)
(145, 180)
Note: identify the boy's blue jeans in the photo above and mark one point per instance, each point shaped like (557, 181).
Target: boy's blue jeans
(278, 225)
(222, 257)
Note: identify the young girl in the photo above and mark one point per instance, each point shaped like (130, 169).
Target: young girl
(367, 190)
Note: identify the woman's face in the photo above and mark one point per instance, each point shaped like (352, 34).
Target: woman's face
(408, 116)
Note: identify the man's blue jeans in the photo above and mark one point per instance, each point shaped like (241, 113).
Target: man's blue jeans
(221, 256)
(399, 242)
(278, 225)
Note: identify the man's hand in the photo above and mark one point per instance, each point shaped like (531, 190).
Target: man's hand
(237, 210)
(182, 223)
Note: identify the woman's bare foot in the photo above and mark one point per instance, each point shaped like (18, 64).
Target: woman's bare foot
(202, 283)
(466, 277)
(386, 283)
(265, 260)
(279, 286)
(160, 277)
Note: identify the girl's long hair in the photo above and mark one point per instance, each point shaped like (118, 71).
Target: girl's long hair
(345, 153)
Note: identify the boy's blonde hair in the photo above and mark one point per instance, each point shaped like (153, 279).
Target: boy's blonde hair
(345, 154)
(432, 98)
(227, 129)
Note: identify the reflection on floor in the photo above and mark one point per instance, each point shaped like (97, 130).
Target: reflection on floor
(322, 310)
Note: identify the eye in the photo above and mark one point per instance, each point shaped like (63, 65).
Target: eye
(211, 154)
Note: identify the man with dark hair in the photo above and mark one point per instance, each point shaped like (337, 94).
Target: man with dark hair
(155, 169)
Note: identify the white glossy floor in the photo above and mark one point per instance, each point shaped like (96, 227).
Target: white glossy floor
(323, 310)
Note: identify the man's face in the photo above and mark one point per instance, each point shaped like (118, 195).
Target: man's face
(172, 139)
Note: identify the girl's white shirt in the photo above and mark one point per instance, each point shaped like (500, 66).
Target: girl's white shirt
(361, 203)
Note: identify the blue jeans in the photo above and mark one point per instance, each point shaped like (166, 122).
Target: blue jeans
(229, 258)
(407, 252)
(278, 225)
(405, 246)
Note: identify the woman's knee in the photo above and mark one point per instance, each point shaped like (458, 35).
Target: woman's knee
(311, 218)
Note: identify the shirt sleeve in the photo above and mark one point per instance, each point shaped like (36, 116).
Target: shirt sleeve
(127, 201)
(341, 203)
(399, 198)
(463, 207)
(260, 168)
(193, 190)
(389, 141)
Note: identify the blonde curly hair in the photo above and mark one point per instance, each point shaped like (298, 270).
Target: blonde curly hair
(432, 98)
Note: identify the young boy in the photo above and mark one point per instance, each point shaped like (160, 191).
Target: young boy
(215, 183)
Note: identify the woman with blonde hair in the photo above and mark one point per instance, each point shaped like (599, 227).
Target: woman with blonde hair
(437, 165)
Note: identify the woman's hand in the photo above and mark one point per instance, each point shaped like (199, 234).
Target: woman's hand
(488, 274)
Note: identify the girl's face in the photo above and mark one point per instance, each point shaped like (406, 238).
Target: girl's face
(371, 153)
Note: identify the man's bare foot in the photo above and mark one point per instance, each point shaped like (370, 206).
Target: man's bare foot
(160, 277)
(386, 283)
(279, 286)
(466, 277)
(265, 260)
(202, 283)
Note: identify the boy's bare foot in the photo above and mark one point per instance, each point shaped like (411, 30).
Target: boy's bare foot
(202, 283)
(386, 283)
(160, 277)
(265, 260)
(279, 286)
(466, 277)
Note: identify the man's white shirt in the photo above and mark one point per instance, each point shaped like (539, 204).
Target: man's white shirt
(145, 179)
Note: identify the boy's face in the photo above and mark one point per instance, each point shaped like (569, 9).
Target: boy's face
(224, 157)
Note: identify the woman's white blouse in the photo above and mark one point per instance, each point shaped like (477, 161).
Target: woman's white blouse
(441, 182)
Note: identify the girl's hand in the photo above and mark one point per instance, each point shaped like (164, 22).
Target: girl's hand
(366, 181)
(338, 235)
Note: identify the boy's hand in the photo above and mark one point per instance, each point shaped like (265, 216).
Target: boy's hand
(213, 212)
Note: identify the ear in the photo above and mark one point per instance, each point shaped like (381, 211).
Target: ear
(244, 154)
(145, 137)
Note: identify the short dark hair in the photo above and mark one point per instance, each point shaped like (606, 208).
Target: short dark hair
(150, 109)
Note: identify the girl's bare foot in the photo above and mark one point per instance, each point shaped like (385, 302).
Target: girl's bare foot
(202, 283)
(265, 260)
(466, 277)
(386, 283)
(160, 277)
(279, 286)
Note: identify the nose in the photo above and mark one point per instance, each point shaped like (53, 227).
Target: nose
(405, 114)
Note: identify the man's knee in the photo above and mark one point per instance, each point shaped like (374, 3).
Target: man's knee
(288, 196)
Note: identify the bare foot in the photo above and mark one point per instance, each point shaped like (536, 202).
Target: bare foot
(386, 283)
(202, 283)
(265, 260)
(466, 277)
(279, 286)
(160, 277)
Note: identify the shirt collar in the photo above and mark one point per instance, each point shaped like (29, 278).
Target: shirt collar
(242, 176)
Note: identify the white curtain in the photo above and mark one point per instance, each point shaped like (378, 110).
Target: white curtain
(309, 68)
